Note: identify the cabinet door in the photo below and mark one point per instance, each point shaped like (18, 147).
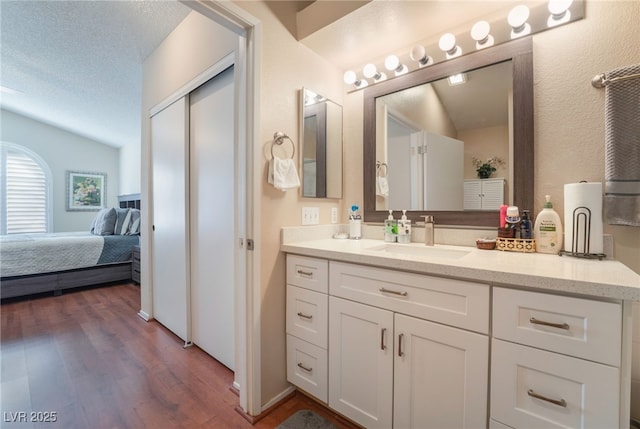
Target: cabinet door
(492, 194)
(361, 362)
(472, 195)
(440, 378)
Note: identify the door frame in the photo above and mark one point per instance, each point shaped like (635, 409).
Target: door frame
(246, 61)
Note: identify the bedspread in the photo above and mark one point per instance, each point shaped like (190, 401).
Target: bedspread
(23, 254)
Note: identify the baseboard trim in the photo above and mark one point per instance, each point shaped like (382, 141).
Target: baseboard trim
(144, 316)
(280, 399)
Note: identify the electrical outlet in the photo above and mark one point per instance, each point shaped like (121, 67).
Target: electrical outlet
(310, 215)
(334, 214)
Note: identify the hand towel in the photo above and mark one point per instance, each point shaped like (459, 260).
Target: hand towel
(382, 186)
(622, 147)
(283, 174)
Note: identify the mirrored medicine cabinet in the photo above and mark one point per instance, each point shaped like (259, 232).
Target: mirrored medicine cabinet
(321, 142)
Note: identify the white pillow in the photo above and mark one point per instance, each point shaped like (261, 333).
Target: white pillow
(105, 222)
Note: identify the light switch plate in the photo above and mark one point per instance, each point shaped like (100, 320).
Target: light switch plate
(334, 215)
(310, 215)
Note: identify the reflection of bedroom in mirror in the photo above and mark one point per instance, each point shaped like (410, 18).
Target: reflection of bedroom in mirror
(321, 137)
(429, 136)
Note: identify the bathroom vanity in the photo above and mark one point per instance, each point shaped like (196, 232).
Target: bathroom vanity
(410, 336)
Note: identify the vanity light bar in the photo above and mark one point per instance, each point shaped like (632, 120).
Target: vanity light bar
(521, 21)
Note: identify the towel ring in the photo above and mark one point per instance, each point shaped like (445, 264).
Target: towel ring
(382, 166)
(278, 138)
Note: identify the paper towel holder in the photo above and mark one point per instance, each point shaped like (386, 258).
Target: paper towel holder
(582, 223)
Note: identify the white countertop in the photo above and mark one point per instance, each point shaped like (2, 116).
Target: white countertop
(606, 278)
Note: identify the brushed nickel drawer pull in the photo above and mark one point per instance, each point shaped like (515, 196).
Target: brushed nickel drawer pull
(559, 402)
(400, 353)
(395, 292)
(305, 273)
(535, 321)
(300, 365)
(383, 346)
(306, 316)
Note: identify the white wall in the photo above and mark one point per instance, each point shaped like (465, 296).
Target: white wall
(62, 151)
(130, 161)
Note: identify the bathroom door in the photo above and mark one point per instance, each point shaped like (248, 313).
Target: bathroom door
(212, 216)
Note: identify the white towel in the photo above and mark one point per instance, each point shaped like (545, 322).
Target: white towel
(382, 186)
(283, 174)
(622, 147)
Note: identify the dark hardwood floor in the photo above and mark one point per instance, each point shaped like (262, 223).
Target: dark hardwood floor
(86, 359)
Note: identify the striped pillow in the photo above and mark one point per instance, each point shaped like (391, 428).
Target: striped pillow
(130, 224)
(122, 221)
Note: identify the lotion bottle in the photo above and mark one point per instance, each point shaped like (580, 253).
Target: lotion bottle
(548, 229)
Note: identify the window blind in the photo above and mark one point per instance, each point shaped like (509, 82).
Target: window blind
(26, 194)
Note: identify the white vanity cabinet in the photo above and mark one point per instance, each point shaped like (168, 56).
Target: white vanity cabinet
(483, 194)
(390, 365)
(307, 326)
(555, 361)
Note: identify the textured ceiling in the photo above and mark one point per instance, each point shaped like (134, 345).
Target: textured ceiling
(78, 64)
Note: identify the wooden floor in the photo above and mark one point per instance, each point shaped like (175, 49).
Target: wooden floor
(87, 358)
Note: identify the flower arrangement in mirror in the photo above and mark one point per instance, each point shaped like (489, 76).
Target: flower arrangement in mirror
(485, 168)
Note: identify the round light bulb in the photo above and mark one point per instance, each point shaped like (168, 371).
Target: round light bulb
(392, 62)
(369, 70)
(518, 16)
(447, 42)
(558, 8)
(417, 53)
(350, 77)
(480, 31)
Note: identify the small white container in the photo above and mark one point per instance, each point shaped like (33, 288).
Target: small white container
(355, 229)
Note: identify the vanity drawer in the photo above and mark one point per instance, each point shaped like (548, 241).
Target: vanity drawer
(574, 326)
(532, 388)
(307, 315)
(309, 273)
(307, 367)
(452, 302)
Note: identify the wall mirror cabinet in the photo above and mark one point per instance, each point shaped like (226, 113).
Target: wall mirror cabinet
(424, 149)
(321, 137)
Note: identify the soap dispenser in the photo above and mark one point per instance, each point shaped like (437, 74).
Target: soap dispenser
(390, 228)
(548, 229)
(404, 229)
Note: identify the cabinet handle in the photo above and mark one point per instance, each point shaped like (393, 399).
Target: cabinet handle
(535, 321)
(300, 365)
(383, 346)
(305, 273)
(306, 316)
(395, 292)
(400, 352)
(559, 402)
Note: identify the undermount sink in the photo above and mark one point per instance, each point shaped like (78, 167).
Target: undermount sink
(420, 250)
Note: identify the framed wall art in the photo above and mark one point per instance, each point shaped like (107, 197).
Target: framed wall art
(86, 191)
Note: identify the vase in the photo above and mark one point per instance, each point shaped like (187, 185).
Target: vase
(483, 174)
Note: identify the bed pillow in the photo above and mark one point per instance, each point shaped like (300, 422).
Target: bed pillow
(122, 221)
(105, 222)
(134, 224)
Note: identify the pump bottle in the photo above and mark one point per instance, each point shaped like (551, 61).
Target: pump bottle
(548, 229)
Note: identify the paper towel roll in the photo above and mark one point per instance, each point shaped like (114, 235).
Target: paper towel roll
(579, 200)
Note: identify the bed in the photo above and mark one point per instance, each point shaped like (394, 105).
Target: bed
(38, 263)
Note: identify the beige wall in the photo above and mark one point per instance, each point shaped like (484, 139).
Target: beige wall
(287, 66)
(569, 123)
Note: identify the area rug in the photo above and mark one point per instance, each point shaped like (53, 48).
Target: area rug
(305, 419)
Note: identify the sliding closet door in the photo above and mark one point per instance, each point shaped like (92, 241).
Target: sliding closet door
(213, 217)
(170, 245)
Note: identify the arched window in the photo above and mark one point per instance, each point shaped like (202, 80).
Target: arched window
(26, 183)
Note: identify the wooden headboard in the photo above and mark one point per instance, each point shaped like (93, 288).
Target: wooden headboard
(129, 200)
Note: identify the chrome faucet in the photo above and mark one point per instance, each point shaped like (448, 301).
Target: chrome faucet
(428, 230)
